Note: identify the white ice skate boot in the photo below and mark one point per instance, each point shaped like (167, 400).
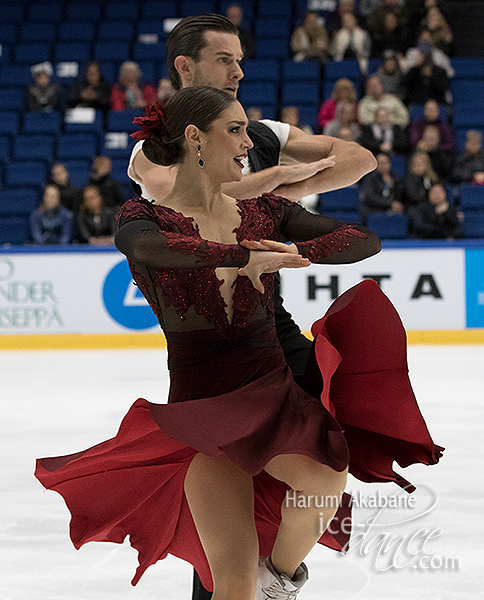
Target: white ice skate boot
(272, 586)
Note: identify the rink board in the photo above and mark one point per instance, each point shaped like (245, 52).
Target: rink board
(70, 291)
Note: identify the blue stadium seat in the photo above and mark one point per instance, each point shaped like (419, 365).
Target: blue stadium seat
(300, 71)
(77, 146)
(117, 144)
(8, 33)
(45, 12)
(390, 227)
(399, 166)
(9, 122)
(374, 64)
(26, 173)
(261, 70)
(114, 51)
(79, 171)
(257, 92)
(155, 10)
(197, 7)
(345, 199)
(468, 116)
(13, 12)
(276, 8)
(96, 126)
(468, 68)
(300, 92)
(33, 147)
(5, 147)
(32, 53)
(122, 120)
(18, 201)
(83, 11)
(11, 99)
(471, 197)
(307, 114)
(119, 170)
(14, 230)
(417, 112)
(72, 51)
(348, 216)
(468, 92)
(474, 225)
(15, 75)
(149, 71)
(348, 68)
(273, 48)
(272, 27)
(116, 31)
(153, 27)
(4, 54)
(42, 122)
(124, 9)
(37, 32)
(149, 51)
(78, 31)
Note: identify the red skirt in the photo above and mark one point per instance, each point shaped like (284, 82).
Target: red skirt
(251, 410)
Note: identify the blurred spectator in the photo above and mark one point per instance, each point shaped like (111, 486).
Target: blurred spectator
(93, 90)
(254, 113)
(111, 190)
(414, 56)
(70, 196)
(436, 219)
(366, 7)
(384, 136)
(344, 118)
(390, 37)
(96, 222)
(421, 177)
(426, 81)
(347, 134)
(334, 20)
(391, 75)
(51, 223)
(381, 190)
(375, 98)
(310, 40)
(130, 91)
(165, 89)
(469, 165)
(290, 115)
(43, 96)
(431, 117)
(351, 41)
(235, 14)
(439, 29)
(343, 91)
(376, 20)
(441, 159)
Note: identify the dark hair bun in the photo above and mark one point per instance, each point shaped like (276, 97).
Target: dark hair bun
(161, 152)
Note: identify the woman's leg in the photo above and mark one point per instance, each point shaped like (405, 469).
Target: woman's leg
(313, 502)
(221, 499)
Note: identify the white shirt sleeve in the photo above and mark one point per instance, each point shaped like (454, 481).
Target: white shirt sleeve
(280, 129)
(132, 173)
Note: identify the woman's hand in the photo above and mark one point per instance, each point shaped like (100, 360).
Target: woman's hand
(268, 256)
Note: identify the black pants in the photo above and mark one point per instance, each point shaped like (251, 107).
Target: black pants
(199, 592)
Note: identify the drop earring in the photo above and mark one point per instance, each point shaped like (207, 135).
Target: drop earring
(200, 161)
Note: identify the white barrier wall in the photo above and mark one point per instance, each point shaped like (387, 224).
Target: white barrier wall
(74, 290)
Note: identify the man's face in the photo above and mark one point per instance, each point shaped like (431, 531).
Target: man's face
(219, 63)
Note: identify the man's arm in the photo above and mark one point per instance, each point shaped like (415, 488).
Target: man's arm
(352, 161)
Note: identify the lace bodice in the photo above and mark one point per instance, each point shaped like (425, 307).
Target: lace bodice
(174, 266)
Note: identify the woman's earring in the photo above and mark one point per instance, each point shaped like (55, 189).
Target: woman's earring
(200, 161)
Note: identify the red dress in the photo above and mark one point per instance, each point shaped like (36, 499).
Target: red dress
(231, 390)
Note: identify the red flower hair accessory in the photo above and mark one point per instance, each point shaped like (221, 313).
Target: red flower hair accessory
(154, 120)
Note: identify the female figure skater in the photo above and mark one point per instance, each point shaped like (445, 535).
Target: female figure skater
(205, 476)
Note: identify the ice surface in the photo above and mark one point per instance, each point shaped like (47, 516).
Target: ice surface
(56, 402)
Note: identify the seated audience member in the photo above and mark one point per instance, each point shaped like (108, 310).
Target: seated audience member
(51, 223)
(310, 40)
(375, 98)
(391, 75)
(165, 90)
(426, 81)
(384, 136)
(70, 196)
(344, 118)
(111, 190)
(431, 117)
(351, 41)
(92, 91)
(420, 178)
(235, 15)
(334, 19)
(441, 159)
(347, 134)
(376, 19)
(290, 115)
(381, 190)
(439, 29)
(43, 96)
(390, 37)
(96, 222)
(414, 55)
(436, 219)
(469, 165)
(254, 113)
(343, 91)
(130, 91)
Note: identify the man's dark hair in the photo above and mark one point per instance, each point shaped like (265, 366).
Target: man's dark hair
(188, 39)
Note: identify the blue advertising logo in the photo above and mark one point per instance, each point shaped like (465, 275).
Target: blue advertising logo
(123, 300)
(475, 288)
